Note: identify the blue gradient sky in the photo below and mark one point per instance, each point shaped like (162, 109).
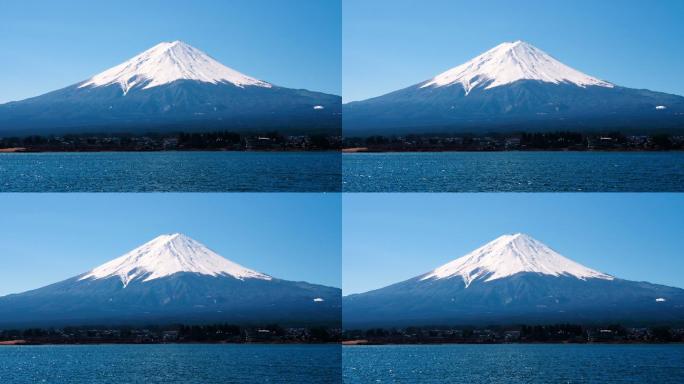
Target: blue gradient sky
(47, 45)
(50, 237)
(388, 238)
(391, 44)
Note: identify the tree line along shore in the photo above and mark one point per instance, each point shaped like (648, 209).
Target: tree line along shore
(274, 141)
(558, 333)
(549, 141)
(214, 333)
(182, 141)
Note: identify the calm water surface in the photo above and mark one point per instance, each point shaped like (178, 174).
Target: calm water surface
(149, 364)
(171, 171)
(514, 172)
(475, 364)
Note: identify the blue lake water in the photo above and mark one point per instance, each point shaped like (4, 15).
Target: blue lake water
(121, 364)
(514, 172)
(510, 364)
(171, 171)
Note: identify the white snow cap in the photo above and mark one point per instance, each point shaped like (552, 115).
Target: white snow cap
(511, 254)
(169, 254)
(168, 62)
(510, 62)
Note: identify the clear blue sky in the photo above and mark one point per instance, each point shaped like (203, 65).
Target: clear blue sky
(388, 238)
(391, 44)
(47, 45)
(50, 237)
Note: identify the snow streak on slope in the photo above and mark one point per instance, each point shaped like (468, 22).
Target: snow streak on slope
(168, 62)
(169, 254)
(509, 255)
(510, 62)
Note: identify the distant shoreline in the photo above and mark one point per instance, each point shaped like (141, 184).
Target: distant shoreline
(25, 150)
(30, 343)
(515, 141)
(173, 141)
(343, 151)
(367, 150)
(356, 343)
(346, 343)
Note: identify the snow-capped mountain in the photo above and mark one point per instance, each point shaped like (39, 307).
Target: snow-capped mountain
(510, 62)
(168, 62)
(509, 255)
(166, 87)
(167, 255)
(513, 86)
(514, 279)
(172, 278)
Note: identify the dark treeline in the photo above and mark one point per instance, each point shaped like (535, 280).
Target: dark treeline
(556, 333)
(517, 141)
(213, 333)
(219, 140)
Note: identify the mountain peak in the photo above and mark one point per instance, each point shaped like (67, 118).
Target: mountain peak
(508, 255)
(508, 45)
(174, 235)
(167, 62)
(510, 62)
(166, 255)
(517, 236)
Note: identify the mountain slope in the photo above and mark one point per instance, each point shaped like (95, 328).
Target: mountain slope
(172, 86)
(513, 86)
(514, 279)
(172, 279)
